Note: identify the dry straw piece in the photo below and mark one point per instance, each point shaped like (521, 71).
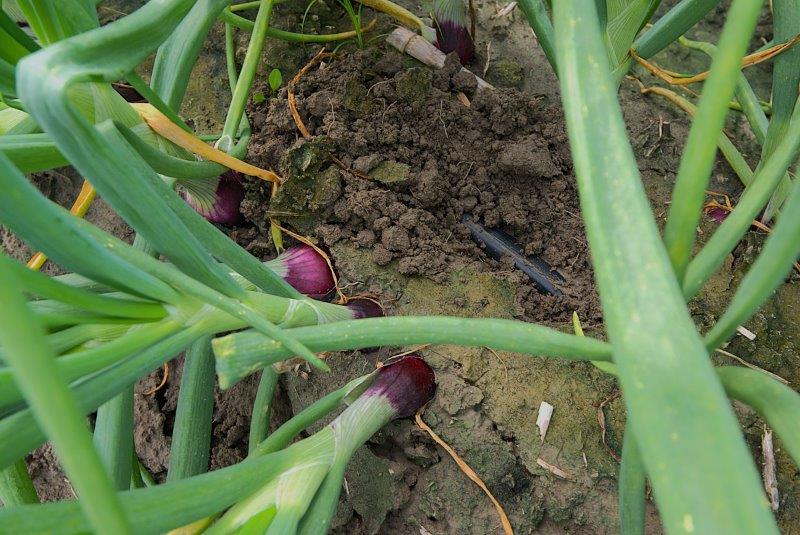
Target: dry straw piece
(770, 480)
(417, 47)
(552, 468)
(470, 473)
(674, 78)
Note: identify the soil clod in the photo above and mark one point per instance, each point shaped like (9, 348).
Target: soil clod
(425, 161)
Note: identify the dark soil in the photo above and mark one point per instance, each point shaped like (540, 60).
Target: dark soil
(155, 416)
(416, 160)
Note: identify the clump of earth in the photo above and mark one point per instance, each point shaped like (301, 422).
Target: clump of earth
(413, 161)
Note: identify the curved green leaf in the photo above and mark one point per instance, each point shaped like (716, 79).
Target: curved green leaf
(75, 365)
(632, 483)
(54, 20)
(700, 148)
(539, 20)
(242, 353)
(16, 487)
(785, 82)
(730, 232)
(703, 477)
(100, 155)
(259, 419)
(12, 31)
(190, 449)
(672, 25)
(113, 437)
(177, 56)
(55, 409)
(32, 153)
(36, 220)
(187, 499)
(20, 432)
(778, 404)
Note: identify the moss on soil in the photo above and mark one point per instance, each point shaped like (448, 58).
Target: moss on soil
(506, 72)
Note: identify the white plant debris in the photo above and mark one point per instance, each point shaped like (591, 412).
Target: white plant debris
(543, 419)
(505, 10)
(768, 472)
(551, 468)
(747, 333)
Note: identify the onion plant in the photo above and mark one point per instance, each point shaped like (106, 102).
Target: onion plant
(280, 488)
(76, 343)
(627, 32)
(453, 29)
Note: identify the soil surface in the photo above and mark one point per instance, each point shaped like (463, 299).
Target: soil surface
(415, 161)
